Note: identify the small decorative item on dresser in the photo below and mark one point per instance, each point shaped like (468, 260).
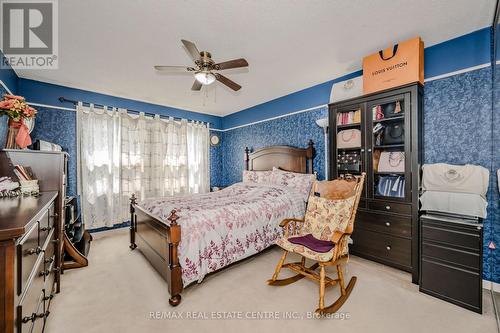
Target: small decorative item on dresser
(19, 112)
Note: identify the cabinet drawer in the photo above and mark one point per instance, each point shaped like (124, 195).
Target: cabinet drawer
(49, 256)
(390, 249)
(386, 223)
(48, 287)
(455, 285)
(28, 252)
(466, 259)
(470, 239)
(392, 207)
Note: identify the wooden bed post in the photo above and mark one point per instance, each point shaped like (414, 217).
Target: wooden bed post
(247, 158)
(310, 155)
(174, 268)
(133, 201)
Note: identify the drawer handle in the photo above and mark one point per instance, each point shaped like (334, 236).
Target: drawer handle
(27, 319)
(46, 229)
(48, 298)
(388, 247)
(36, 250)
(387, 224)
(45, 273)
(49, 260)
(388, 207)
(42, 315)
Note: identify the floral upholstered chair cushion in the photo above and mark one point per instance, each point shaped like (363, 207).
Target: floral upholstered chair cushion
(324, 217)
(257, 177)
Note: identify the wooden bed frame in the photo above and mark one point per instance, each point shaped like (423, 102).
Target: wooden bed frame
(159, 241)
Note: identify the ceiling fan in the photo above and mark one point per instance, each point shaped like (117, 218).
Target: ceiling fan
(204, 71)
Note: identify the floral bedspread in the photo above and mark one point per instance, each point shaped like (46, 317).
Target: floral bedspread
(222, 227)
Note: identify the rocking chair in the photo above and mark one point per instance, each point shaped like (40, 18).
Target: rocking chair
(321, 236)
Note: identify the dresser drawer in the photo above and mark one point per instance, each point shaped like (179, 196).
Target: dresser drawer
(462, 237)
(452, 284)
(39, 323)
(452, 256)
(49, 253)
(48, 287)
(387, 248)
(28, 311)
(386, 223)
(28, 252)
(391, 207)
(46, 223)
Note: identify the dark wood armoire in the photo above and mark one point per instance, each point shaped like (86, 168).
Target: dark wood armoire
(390, 151)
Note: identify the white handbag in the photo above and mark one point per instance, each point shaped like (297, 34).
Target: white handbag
(393, 161)
(350, 138)
(455, 178)
(346, 89)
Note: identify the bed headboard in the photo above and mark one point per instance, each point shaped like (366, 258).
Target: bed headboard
(284, 157)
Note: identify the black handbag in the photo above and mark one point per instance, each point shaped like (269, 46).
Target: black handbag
(394, 134)
(349, 162)
(393, 109)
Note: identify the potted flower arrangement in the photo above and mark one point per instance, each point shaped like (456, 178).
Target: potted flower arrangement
(16, 108)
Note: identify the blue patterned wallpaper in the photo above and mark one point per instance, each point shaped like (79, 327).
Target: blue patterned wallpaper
(216, 162)
(3, 122)
(295, 130)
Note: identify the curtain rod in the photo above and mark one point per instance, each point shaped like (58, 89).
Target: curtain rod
(101, 106)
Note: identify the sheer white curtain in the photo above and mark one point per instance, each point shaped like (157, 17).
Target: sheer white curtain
(98, 133)
(151, 157)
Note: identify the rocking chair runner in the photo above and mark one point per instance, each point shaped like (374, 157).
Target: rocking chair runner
(322, 236)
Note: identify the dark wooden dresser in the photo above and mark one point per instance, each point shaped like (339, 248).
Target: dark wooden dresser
(31, 237)
(451, 260)
(386, 227)
(27, 261)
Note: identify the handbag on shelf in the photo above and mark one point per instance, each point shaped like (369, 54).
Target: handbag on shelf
(391, 186)
(378, 114)
(393, 134)
(393, 161)
(357, 117)
(349, 162)
(392, 109)
(350, 138)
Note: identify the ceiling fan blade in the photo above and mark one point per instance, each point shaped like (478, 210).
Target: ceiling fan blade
(236, 63)
(174, 69)
(196, 86)
(224, 80)
(192, 49)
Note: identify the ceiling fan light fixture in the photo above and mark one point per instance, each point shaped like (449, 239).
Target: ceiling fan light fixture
(205, 78)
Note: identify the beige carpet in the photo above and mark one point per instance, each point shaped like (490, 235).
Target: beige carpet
(119, 291)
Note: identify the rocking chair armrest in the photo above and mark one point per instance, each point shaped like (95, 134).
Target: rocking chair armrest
(285, 222)
(337, 236)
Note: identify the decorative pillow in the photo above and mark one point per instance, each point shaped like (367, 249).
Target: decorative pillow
(302, 182)
(257, 177)
(335, 189)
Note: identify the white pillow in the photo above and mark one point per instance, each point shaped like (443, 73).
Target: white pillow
(257, 177)
(302, 182)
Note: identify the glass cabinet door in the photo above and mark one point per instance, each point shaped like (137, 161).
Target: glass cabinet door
(349, 136)
(388, 145)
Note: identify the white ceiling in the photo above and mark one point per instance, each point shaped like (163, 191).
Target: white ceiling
(111, 46)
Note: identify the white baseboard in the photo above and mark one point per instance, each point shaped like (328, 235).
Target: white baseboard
(488, 285)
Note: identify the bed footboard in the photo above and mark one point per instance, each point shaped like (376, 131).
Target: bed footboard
(158, 242)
